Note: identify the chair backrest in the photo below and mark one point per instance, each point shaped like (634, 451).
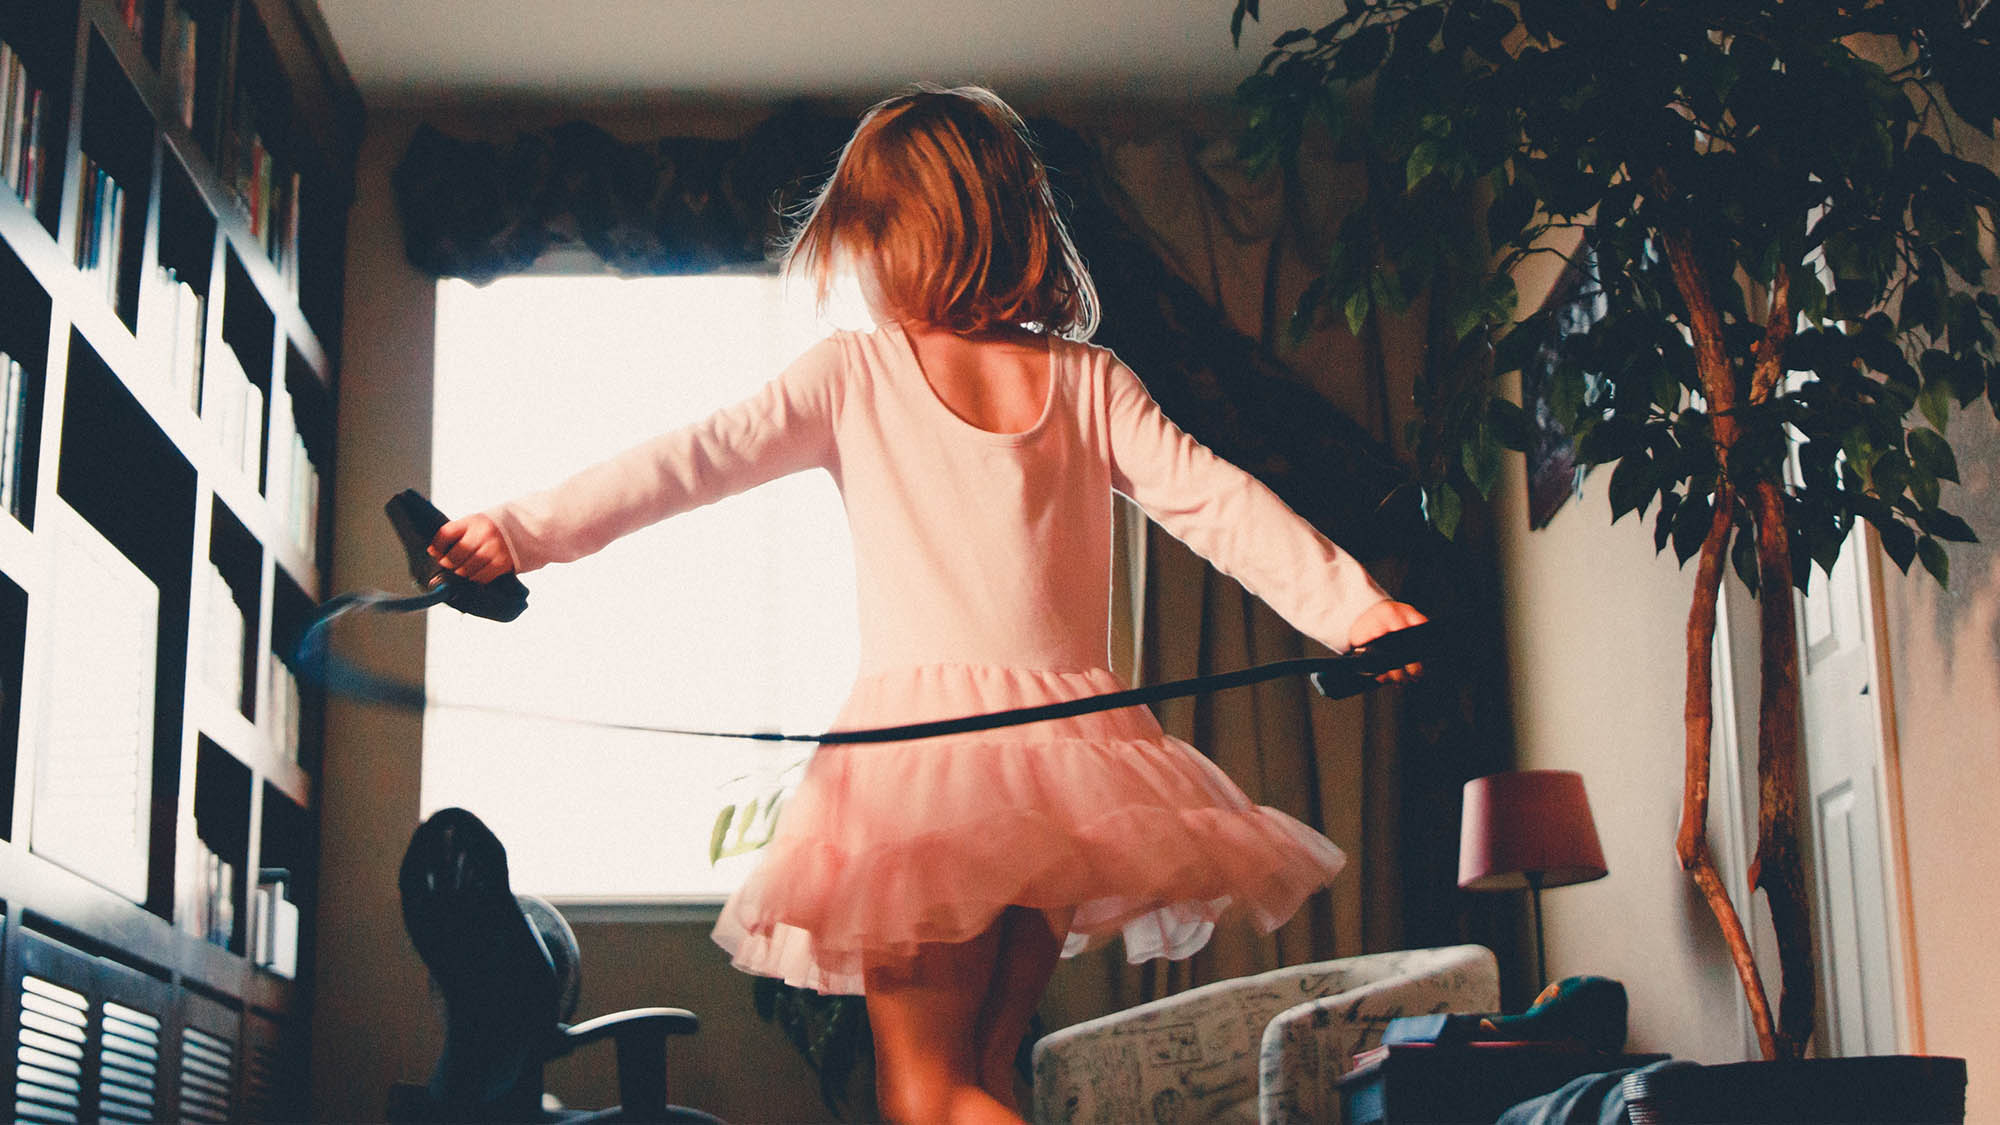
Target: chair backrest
(503, 994)
(560, 943)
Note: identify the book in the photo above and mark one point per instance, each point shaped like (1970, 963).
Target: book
(13, 432)
(100, 227)
(274, 923)
(21, 112)
(190, 309)
(93, 801)
(232, 407)
(178, 60)
(225, 629)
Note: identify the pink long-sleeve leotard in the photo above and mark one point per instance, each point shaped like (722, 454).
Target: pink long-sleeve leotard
(982, 566)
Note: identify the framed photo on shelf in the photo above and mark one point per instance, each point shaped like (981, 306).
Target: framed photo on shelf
(1576, 303)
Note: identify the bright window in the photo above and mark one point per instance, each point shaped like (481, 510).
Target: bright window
(735, 616)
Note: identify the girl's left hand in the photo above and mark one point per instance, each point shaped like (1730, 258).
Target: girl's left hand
(1379, 619)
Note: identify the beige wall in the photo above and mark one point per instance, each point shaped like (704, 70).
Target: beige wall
(372, 1015)
(1944, 658)
(1595, 626)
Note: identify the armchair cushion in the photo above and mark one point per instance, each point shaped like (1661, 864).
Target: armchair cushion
(1214, 1053)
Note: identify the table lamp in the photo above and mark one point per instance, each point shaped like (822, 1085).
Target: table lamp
(1530, 829)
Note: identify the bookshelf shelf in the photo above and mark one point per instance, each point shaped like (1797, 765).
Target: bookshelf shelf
(172, 233)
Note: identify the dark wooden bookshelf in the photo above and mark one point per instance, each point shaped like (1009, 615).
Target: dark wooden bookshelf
(136, 978)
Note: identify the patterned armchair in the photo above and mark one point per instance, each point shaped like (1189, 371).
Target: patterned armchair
(1264, 1048)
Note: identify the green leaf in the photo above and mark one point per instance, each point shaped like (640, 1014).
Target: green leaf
(744, 822)
(1930, 451)
(1946, 526)
(1935, 402)
(1509, 423)
(1243, 7)
(1509, 213)
(1663, 524)
(1935, 560)
(1423, 158)
(1362, 53)
(1898, 541)
(1632, 486)
(1517, 348)
(1743, 556)
(1921, 304)
(718, 833)
(1443, 508)
(1359, 305)
(1691, 526)
(1481, 456)
(1923, 486)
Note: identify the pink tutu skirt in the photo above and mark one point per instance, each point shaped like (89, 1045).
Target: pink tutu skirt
(884, 846)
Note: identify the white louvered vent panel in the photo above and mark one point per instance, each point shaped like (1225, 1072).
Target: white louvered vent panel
(129, 1065)
(49, 1055)
(208, 1066)
(259, 1079)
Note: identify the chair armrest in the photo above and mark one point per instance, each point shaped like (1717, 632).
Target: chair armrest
(640, 1035)
(633, 1021)
(1307, 1047)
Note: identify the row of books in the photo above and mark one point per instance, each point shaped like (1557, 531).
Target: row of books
(22, 155)
(293, 487)
(177, 60)
(232, 408)
(133, 12)
(269, 195)
(281, 709)
(274, 924)
(173, 319)
(13, 432)
(100, 239)
(224, 629)
(208, 908)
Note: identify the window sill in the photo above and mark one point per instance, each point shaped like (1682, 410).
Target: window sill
(640, 911)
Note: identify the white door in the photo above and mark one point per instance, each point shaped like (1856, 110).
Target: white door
(1846, 833)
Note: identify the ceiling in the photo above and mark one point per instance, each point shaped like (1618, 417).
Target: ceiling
(407, 51)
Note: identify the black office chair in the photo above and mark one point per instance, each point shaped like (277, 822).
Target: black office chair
(507, 967)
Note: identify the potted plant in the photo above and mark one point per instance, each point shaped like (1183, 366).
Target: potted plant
(1789, 251)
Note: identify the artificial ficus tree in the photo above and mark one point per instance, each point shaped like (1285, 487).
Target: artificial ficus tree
(1792, 255)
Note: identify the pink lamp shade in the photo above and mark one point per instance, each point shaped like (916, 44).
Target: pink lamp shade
(1530, 828)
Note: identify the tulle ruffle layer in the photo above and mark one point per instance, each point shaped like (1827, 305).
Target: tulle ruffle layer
(883, 847)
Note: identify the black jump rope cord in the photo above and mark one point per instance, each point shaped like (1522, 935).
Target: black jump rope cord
(1336, 677)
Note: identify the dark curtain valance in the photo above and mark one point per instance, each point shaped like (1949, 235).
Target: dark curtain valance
(479, 210)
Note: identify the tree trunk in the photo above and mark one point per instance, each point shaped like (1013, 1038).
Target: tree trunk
(1718, 380)
(1691, 843)
(1778, 868)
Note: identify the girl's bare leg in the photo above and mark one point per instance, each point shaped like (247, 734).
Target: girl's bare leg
(924, 1013)
(1030, 945)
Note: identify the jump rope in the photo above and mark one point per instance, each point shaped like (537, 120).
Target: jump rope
(417, 522)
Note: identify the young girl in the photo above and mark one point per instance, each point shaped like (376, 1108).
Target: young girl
(976, 441)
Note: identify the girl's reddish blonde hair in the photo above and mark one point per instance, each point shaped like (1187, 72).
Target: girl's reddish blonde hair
(941, 196)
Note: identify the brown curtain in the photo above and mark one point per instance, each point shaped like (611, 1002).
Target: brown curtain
(1245, 246)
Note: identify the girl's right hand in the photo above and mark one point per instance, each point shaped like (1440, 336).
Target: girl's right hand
(472, 548)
